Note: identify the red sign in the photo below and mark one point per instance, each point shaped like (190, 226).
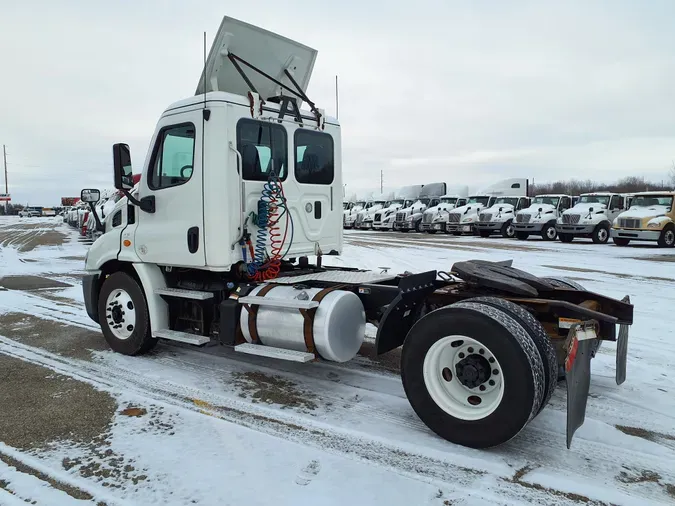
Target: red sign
(69, 201)
(5, 197)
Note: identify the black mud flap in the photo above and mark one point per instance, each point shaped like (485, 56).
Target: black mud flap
(578, 375)
(403, 311)
(622, 350)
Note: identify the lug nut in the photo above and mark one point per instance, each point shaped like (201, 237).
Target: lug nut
(492, 383)
(461, 355)
(495, 371)
(491, 360)
(482, 388)
(481, 351)
(470, 350)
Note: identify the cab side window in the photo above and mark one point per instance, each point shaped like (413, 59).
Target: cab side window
(117, 218)
(314, 158)
(616, 202)
(264, 149)
(565, 203)
(173, 157)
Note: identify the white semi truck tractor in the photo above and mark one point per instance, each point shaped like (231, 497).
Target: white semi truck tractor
(499, 217)
(224, 241)
(364, 220)
(410, 218)
(404, 198)
(591, 216)
(541, 217)
(434, 218)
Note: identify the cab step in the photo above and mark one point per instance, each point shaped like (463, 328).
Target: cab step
(183, 337)
(270, 302)
(184, 294)
(278, 353)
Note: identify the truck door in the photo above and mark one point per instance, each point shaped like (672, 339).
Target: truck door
(174, 234)
(616, 205)
(564, 205)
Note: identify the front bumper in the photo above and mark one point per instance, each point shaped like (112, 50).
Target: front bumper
(490, 225)
(365, 225)
(574, 229)
(90, 285)
(528, 227)
(459, 227)
(383, 226)
(404, 225)
(635, 234)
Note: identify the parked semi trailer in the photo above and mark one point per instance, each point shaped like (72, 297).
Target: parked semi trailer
(216, 247)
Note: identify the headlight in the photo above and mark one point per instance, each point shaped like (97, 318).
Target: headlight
(653, 225)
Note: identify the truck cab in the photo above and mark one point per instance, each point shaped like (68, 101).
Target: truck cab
(591, 217)
(364, 220)
(410, 218)
(541, 217)
(463, 219)
(435, 217)
(499, 217)
(651, 217)
(30, 212)
(403, 198)
(353, 210)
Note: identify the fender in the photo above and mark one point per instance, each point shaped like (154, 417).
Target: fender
(151, 278)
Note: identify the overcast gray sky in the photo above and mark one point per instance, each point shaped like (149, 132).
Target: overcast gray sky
(462, 92)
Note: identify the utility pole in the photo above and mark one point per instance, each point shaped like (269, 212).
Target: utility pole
(381, 181)
(4, 159)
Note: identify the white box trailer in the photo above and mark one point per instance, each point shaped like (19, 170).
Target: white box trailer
(240, 189)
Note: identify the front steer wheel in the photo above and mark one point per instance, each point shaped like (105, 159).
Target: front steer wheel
(123, 314)
(473, 374)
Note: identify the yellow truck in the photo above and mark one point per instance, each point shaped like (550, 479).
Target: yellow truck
(650, 218)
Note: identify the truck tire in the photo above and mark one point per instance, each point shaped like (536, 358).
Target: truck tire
(522, 236)
(601, 234)
(620, 241)
(418, 224)
(453, 402)
(484, 233)
(125, 321)
(508, 231)
(565, 237)
(549, 233)
(539, 336)
(457, 234)
(431, 231)
(667, 237)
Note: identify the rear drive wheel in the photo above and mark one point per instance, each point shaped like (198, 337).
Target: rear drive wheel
(620, 241)
(508, 231)
(538, 335)
(125, 321)
(667, 238)
(549, 233)
(522, 236)
(601, 234)
(565, 237)
(484, 233)
(472, 374)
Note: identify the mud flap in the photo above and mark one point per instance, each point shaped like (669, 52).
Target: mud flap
(403, 311)
(578, 375)
(622, 350)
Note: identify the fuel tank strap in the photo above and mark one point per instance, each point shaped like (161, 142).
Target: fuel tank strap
(253, 312)
(307, 314)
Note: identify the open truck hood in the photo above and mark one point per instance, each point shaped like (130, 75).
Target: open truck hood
(269, 52)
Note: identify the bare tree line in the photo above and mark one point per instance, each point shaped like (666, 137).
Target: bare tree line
(630, 184)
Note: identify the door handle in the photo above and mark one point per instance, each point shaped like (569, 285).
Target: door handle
(193, 239)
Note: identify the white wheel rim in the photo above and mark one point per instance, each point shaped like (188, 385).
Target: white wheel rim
(510, 230)
(602, 234)
(120, 314)
(550, 232)
(670, 237)
(449, 391)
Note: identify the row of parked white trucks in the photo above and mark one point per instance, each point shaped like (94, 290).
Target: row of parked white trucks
(503, 208)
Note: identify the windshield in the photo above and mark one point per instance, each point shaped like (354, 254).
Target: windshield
(345, 205)
(361, 204)
(449, 201)
(546, 200)
(424, 201)
(393, 202)
(653, 200)
(507, 200)
(408, 203)
(594, 199)
(479, 200)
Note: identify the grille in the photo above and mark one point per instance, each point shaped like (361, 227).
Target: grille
(455, 217)
(378, 217)
(523, 218)
(427, 217)
(485, 217)
(359, 218)
(629, 223)
(400, 216)
(571, 219)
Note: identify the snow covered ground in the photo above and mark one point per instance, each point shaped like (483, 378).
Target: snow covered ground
(186, 426)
